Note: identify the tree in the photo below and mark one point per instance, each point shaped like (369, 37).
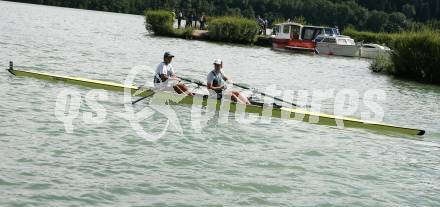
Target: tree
(363, 14)
(376, 21)
(409, 10)
(396, 23)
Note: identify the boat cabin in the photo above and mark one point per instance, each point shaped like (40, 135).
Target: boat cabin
(292, 30)
(339, 40)
(295, 36)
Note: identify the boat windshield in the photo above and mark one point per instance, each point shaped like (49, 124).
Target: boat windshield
(351, 42)
(342, 42)
(345, 41)
(310, 33)
(319, 39)
(329, 32)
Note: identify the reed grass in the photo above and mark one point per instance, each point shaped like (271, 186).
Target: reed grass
(416, 54)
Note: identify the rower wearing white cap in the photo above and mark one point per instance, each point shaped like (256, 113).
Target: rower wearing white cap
(166, 79)
(216, 84)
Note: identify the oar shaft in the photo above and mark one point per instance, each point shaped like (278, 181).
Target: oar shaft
(192, 81)
(134, 102)
(264, 94)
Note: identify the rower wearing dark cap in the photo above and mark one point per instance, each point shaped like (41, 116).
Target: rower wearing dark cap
(165, 78)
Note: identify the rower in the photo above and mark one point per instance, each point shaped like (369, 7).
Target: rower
(217, 87)
(165, 78)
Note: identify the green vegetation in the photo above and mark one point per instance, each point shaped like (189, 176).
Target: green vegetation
(382, 63)
(416, 55)
(224, 29)
(233, 29)
(370, 37)
(160, 22)
(369, 15)
(185, 33)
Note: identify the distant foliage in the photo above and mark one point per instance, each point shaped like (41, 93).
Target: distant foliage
(233, 29)
(417, 56)
(300, 20)
(377, 15)
(160, 22)
(370, 37)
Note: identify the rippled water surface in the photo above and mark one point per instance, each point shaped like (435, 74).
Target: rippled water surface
(233, 163)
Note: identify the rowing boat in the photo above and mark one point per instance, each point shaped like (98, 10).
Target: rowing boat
(203, 100)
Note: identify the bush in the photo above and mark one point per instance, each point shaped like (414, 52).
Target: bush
(382, 63)
(417, 56)
(233, 29)
(185, 33)
(160, 22)
(370, 37)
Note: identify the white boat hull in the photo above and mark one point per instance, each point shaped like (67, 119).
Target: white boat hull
(371, 53)
(338, 50)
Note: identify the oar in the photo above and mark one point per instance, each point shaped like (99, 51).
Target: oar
(184, 79)
(134, 102)
(197, 82)
(264, 94)
(240, 86)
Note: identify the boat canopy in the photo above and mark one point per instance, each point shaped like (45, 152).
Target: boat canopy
(292, 30)
(340, 40)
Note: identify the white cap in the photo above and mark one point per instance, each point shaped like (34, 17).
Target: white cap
(217, 61)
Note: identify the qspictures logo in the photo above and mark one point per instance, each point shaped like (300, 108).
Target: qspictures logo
(347, 102)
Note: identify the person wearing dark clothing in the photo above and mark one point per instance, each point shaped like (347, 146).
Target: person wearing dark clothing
(188, 21)
(179, 19)
(202, 22)
(192, 19)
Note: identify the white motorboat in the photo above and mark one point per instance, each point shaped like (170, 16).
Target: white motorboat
(338, 45)
(374, 50)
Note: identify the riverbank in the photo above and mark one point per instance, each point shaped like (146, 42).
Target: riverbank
(262, 41)
(416, 55)
(221, 29)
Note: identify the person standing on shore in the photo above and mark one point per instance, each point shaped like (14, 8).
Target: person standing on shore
(265, 25)
(260, 23)
(188, 21)
(179, 19)
(202, 21)
(192, 20)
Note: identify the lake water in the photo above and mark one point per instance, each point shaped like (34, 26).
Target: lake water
(229, 163)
